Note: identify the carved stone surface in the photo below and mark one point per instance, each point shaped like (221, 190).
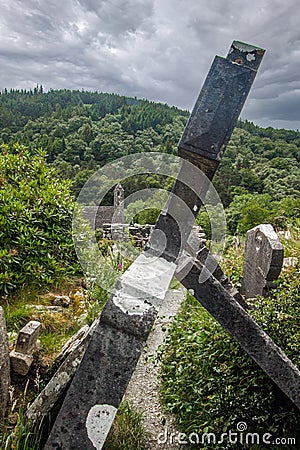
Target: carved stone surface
(20, 362)
(220, 101)
(4, 365)
(263, 260)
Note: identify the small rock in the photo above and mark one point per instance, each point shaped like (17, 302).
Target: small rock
(290, 262)
(21, 358)
(27, 337)
(62, 300)
(20, 363)
(43, 308)
(13, 418)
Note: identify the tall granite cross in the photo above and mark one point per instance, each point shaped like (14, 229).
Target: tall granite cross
(98, 386)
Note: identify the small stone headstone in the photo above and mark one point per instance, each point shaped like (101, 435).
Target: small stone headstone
(263, 260)
(27, 337)
(21, 358)
(4, 364)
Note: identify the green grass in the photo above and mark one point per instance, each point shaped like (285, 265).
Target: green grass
(21, 437)
(126, 432)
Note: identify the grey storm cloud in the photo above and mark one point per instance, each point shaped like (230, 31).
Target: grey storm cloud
(155, 49)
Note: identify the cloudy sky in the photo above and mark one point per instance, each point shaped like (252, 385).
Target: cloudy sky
(155, 49)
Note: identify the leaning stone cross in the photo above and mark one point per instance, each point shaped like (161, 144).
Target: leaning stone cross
(100, 381)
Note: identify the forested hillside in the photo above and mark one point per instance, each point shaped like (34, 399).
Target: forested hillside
(80, 131)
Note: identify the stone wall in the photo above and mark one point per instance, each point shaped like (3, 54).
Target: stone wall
(141, 233)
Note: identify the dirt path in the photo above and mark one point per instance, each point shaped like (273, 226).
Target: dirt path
(143, 388)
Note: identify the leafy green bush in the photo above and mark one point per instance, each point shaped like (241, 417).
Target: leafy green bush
(248, 210)
(36, 244)
(211, 384)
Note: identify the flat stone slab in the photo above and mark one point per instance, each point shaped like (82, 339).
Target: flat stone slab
(263, 260)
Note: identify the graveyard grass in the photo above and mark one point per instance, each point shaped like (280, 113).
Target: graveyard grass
(126, 433)
(211, 384)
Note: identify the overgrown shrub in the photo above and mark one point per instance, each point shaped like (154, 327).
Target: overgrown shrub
(36, 244)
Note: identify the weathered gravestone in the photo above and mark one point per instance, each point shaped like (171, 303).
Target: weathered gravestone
(22, 356)
(101, 379)
(4, 365)
(263, 260)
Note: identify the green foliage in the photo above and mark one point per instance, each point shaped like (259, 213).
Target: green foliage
(22, 438)
(211, 384)
(17, 315)
(248, 210)
(35, 221)
(260, 161)
(98, 298)
(285, 213)
(146, 211)
(213, 221)
(147, 216)
(127, 432)
(82, 131)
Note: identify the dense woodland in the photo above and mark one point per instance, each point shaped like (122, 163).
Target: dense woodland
(81, 131)
(65, 136)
